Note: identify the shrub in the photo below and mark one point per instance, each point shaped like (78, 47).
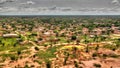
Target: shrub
(76, 64)
(45, 45)
(97, 65)
(73, 37)
(18, 52)
(40, 39)
(114, 55)
(36, 48)
(104, 55)
(48, 63)
(94, 54)
(114, 49)
(80, 67)
(87, 49)
(32, 66)
(26, 66)
(97, 47)
(13, 57)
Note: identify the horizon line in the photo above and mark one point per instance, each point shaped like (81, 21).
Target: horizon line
(59, 15)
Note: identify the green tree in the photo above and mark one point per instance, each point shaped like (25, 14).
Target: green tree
(73, 37)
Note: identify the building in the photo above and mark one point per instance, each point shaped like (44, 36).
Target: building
(85, 31)
(10, 35)
(115, 29)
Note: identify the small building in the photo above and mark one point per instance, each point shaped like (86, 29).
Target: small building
(10, 35)
(115, 29)
(97, 31)
(85, 31)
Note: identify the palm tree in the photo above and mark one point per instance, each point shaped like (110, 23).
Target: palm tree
(66, 57)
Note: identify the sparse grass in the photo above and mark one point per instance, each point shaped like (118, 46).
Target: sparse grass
(49, 53)
(20, 48)
(14, 49)
(38, 61)
(11, 56)
(62, 40)
(53, 49)
(111, 47)
(45, 54)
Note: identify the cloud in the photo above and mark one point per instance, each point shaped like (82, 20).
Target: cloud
(28, 6)
(28, 3)
(4, 1)
(11, 0)
(115, 2)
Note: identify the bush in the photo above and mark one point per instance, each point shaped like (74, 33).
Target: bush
(45, 45)
(13, 58)
(18, 52)
(97, 65)
(26, 66)
(48, 63)
(32, 66)
(73, 37)
(36, 48)
(76, 64)
(104, 55)
(40, 39)
(97, 47)
(94, 54)
(87, 49)
(80, 67)
(114, 55)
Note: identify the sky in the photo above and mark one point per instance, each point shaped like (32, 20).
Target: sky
(59, 7)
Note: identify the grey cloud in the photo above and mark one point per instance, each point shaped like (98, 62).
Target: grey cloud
(59, 6)
(28, 3)
(116, 2)
(11, 0)
(4, 1)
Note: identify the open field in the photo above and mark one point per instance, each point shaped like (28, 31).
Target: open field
(59, 42)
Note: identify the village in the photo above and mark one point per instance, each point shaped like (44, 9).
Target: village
(53, 42)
